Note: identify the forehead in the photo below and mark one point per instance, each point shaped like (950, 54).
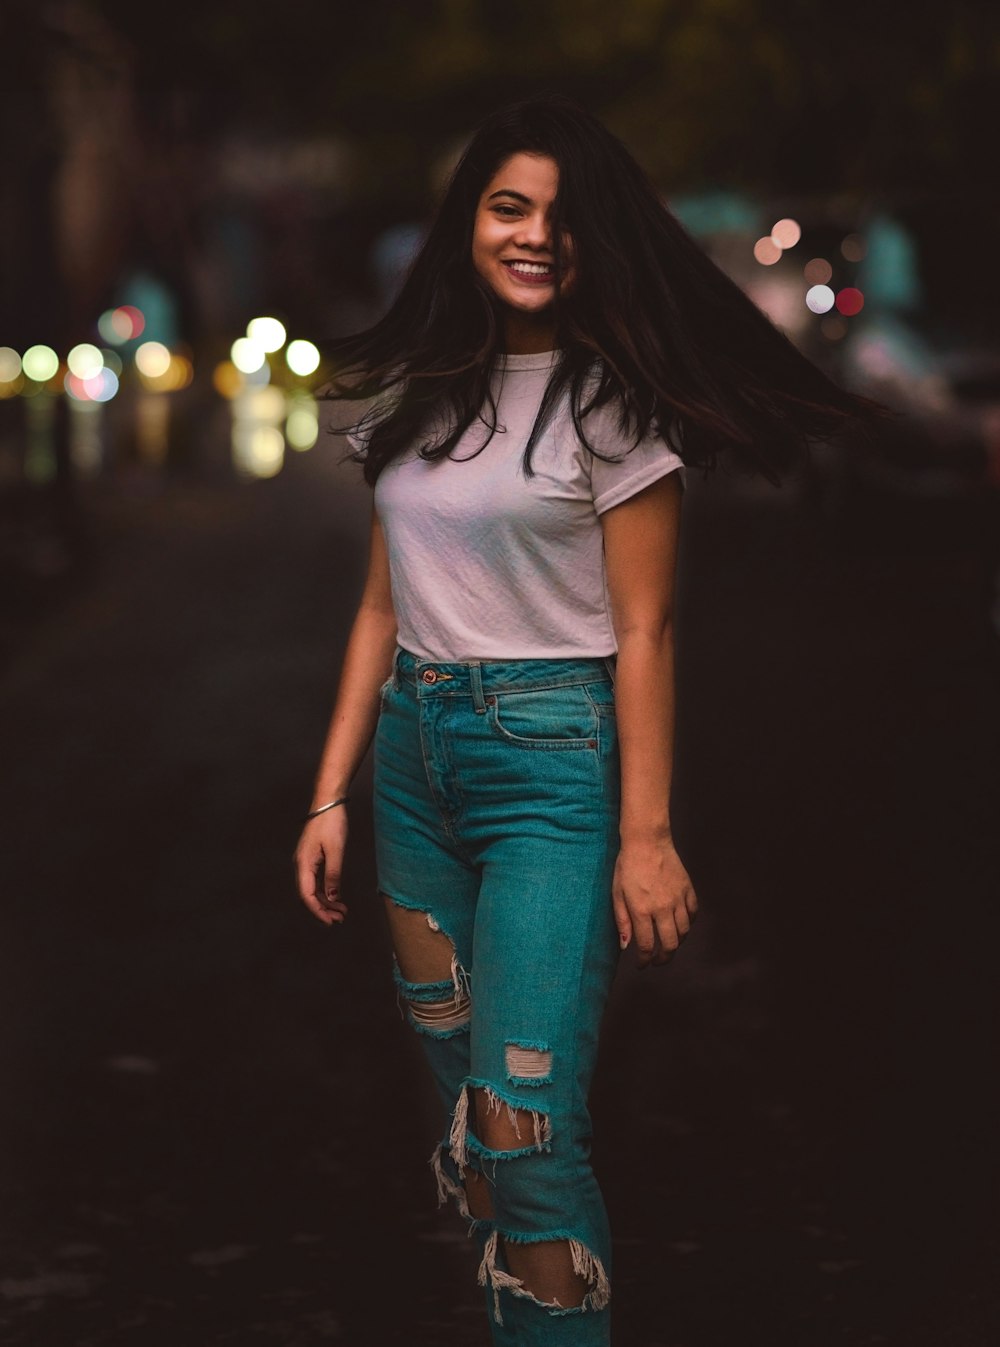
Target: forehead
(535, 176)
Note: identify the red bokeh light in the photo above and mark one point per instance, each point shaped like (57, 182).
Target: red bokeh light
(850, 301)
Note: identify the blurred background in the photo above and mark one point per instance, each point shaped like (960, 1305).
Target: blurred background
(213, 1124)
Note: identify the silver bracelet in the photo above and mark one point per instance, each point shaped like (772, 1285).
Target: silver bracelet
(324, 807)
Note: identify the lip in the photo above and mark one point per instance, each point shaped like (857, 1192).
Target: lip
(523, 278)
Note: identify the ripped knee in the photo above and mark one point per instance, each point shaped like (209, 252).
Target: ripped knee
(431, 981)
(448, 1016)
(574, 1278)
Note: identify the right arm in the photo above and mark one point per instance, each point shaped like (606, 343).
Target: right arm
(367, 664)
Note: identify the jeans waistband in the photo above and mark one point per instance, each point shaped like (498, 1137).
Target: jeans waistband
(476, 678)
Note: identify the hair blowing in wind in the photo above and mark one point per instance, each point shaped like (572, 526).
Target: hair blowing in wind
(651, 326)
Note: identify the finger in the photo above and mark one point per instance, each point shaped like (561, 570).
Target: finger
(682, 920)
(622, 919)
(308, 867)
(668, 938)
(644, 934)
(691, 902)
(307, 862)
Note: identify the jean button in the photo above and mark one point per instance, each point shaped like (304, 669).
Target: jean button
(429, 675)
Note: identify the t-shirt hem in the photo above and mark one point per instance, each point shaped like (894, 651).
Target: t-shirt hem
(558, 652)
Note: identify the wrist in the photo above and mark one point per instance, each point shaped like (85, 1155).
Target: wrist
(327, 807)
(645, 832)
(325, 791)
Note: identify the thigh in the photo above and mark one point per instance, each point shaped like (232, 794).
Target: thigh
(545, 954)
(430, 885)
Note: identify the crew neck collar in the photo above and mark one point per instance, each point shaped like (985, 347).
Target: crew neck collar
(537, 360)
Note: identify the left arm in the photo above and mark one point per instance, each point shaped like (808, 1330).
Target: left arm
(654, 900)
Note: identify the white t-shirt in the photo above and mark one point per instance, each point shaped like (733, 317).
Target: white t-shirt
(486, 563)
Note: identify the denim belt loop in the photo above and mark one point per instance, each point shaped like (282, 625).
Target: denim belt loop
(476, 683)
(609, 664)
(395, 669)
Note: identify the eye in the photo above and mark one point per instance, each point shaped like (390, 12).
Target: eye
(507, 212)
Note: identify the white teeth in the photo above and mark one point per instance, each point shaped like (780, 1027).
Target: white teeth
(530, 268)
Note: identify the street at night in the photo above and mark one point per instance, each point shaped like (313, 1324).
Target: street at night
(208, 1132)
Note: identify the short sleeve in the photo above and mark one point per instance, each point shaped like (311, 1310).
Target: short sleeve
(631, 469)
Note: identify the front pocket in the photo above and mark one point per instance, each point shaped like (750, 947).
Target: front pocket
(549, 718)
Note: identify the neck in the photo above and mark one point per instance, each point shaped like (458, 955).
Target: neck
(528, 334)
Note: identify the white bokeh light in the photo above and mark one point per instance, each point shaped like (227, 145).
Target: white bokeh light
(820, 298)
(302, 357)
(268, 333)
(247, 355)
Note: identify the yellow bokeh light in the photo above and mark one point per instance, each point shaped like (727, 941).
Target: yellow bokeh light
(302, 428)
(227, 380)
(40, 363)
(152, 359)
(10, 365)
(85, 361)
(177, 375)
(786, 233)
(302, 357)
(263, 451)
(766, 251)
(247, 355)
(265, 404)
(268, 333)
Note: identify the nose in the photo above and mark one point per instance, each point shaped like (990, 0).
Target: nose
(534, 233)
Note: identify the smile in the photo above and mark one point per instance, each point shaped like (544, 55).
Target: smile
(534, 273)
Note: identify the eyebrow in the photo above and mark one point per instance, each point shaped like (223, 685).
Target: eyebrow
(509, 191)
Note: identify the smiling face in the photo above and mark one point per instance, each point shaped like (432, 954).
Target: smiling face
(512, 248)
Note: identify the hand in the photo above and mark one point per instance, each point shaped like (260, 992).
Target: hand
(654, 902)
(319, 858)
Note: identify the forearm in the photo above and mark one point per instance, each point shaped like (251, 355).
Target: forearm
(367, 664)
(644, 702)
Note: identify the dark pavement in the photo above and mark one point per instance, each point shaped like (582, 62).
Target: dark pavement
(214, 1125)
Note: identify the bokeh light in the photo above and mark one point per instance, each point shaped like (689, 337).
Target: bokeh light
(786, 233)
(112, 361)
(259, 450)
(266, 404)
(833, 328)
(102, 386)
(40, 363)
(302, 357)
(120, 325)
(850, 301)
(854, 248)
(247, 355)
(817, 271)
(85, 360)
(152, 359)
(819, 298)
(10, 365)
(268, 333)
(766, 251)
(302, 428)
(227, 380)
(177, 375)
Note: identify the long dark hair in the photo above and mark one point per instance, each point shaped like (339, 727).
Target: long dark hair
(651, 326)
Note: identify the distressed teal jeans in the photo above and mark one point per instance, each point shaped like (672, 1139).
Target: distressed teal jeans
(496, 815)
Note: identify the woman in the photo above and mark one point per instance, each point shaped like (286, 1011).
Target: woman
(559, 348)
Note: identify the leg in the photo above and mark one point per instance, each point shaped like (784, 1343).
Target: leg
(545, 951)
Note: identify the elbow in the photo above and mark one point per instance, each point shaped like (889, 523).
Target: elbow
(644, 632)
